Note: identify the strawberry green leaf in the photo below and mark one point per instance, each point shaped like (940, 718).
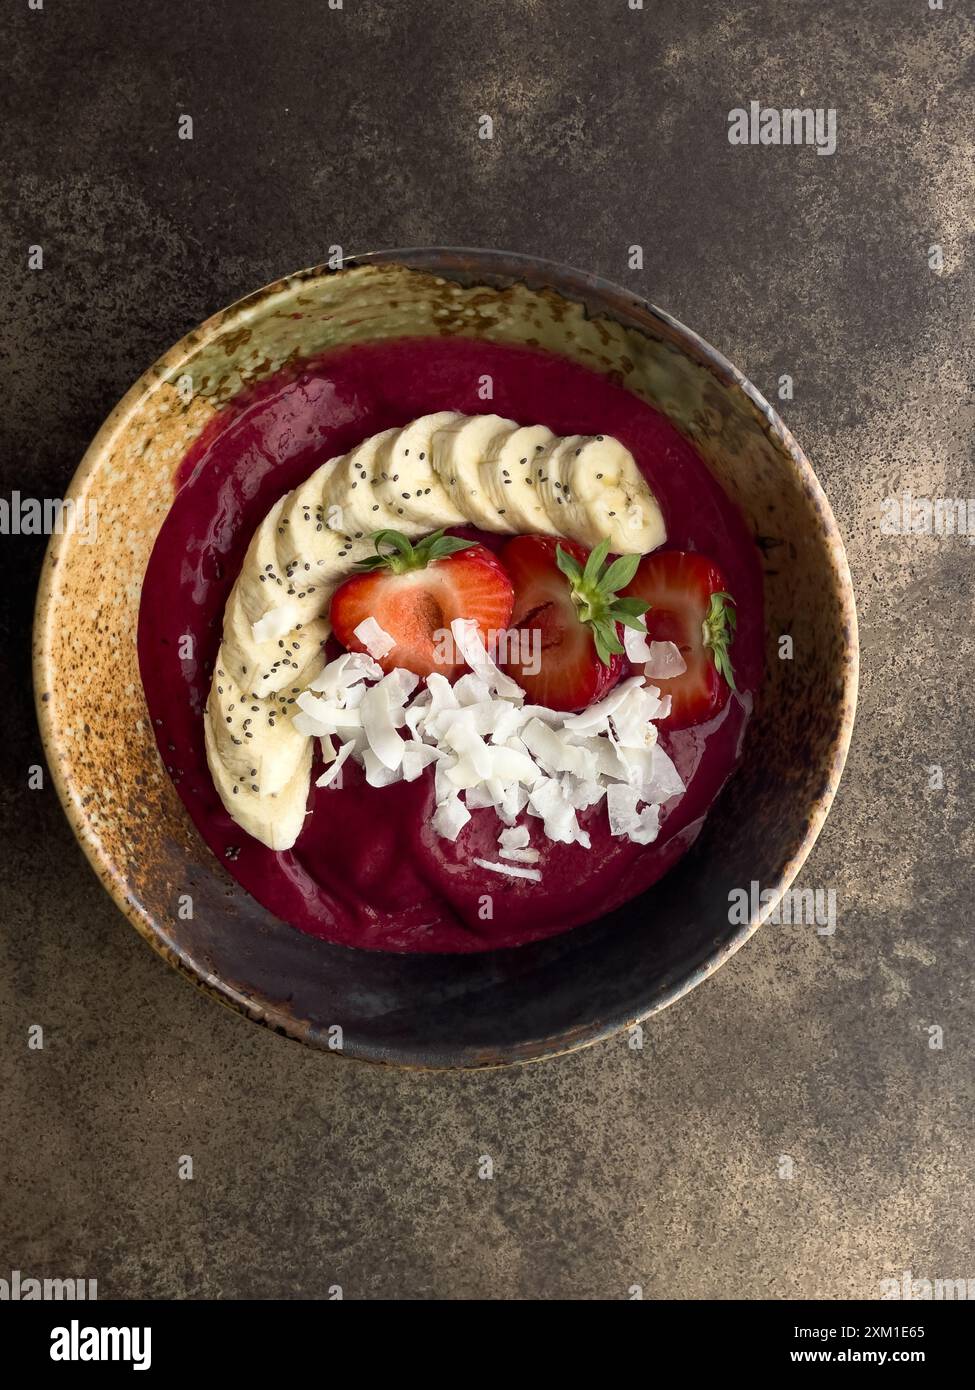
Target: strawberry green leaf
(632, 606)
(590, 575)
(637, 624)
(568, 564)
(620, 572)
(404, 556)
(594, 594)
(719, 633)
(603, 648)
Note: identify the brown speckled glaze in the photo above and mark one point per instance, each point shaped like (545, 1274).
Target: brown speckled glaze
(506, 1006)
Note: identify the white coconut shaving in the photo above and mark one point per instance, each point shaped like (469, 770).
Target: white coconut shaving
(660, 660)
(376, 641)
(450, 817)
(275, 623)
(514, 843)
(515, 838)
(510, 869)
(335, 765)
(664, 661)
(635, 645)
(474, 652)
(349, 669)
(490, 750)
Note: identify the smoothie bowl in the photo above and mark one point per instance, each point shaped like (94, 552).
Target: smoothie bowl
(420, 692)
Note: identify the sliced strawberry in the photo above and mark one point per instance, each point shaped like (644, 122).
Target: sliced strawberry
(415, 592)
(566, 613)
(691, 607)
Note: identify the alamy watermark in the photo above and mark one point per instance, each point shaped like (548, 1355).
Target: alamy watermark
(910, 1289)
(505, 647)
(77, 1343)
(21, 1288)
(767, 125)
(908, 515)
(48, 516)
(800, 907)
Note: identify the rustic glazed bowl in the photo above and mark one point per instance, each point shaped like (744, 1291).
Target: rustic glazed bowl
(426, 1010)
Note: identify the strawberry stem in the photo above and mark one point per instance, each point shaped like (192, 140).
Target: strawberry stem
(718, 630)
(405, 556)
(594, 593)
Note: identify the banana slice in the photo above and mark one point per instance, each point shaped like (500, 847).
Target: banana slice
(508, 478)
(356, 491)
(610, 492)
(553, 479)
(275, 820)
(262, 666)
(458, 450)
(311, 533)
(594, 491)
(409, 486)
(255, 739)
(259, 571)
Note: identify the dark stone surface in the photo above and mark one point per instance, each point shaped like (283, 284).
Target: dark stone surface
(612, 1167)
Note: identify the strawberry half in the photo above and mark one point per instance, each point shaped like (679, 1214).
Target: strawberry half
(415, 592)
(566, 614)
(691, 607)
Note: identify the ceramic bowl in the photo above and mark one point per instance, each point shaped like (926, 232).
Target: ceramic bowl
(433, 1010)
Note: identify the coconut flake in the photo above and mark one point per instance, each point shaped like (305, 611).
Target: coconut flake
(597, 715)
(471, 690)
(311, 728)
(400, 685)
(323, 717)
(510, 869)
(514, 845)
(664, 662)
(332, 771)
(511, 803)
(472, 764)
(507, 720)
(580, 793)
(631, 721)
(482, 718)
(377, 772)
(665, 780)
(510, 764)
(416, 757)
(450, 817)
(621, 804)
(441, 693)
(558, 817)
(517, 837)
(275, 623)
(380, 727)
(635, 645)
(520, 856)
(554, 750)
(649, 826)
(344, 671)
(472, 649)
(606, 761)
(416, 712)
(376, 641)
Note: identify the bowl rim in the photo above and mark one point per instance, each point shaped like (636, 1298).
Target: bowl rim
(570, 283)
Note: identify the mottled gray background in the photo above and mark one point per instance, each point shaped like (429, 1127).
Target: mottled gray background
(358, 127)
